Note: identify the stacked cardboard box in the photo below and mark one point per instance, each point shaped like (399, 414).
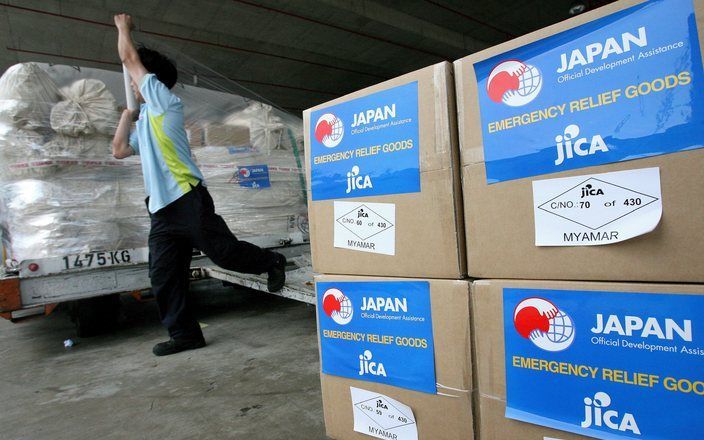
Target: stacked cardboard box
(505, 149)
(438, 353)
(582, 160)
(384, 179)
(640, 344)
(387, 230)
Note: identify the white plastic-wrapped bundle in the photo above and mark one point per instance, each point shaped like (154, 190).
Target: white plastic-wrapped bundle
(257, 187)
(89, 108)
(251, 157)
(266, 130)
(75, 210)
(58, 192)
(27, 95)
(36, 119)
(62, 193)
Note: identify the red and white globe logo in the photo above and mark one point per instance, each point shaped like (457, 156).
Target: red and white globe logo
(329, 130)
(514, 83)
(244, 172)
(544, 324)
(337, 306)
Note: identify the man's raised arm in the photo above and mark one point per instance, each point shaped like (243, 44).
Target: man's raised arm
(126, 50)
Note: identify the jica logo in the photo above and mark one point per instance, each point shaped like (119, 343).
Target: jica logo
(514, 83)
(355, 181)
(548, 327)
(597, 414)
(337, 306)
(367, 366)
(329, 130)
(589, 190)
(568, 145)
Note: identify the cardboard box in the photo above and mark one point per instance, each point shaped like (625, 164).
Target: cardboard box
(218, 135)
(195, 135)
(501, 216)
(445, 414)
(405, 177)
(489, 351)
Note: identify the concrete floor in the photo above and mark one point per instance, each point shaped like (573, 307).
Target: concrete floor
(256, 379)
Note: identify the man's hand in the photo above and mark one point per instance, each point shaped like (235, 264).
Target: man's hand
(123, 22)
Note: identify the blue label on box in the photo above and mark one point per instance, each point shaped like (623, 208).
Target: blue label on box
(609, 365)
(367, 146)
(622, 87)
(239, 150)
(253, 176)
(378, 331)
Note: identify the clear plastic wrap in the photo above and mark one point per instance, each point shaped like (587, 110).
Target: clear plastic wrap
(81, 206)
(62, 193)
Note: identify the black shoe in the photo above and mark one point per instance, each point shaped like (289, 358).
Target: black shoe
(277, 274)
(173, 346)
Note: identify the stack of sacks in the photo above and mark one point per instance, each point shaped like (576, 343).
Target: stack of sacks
(89, 108)
(84, 122)
(27, 95)
(251, 169)
(56, 125)
(59, 184)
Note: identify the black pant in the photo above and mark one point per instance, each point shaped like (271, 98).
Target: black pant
(187, 223)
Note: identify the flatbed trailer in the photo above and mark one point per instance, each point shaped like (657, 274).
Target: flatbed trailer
(36, 287)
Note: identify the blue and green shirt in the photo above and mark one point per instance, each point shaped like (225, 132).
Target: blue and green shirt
(160, 139)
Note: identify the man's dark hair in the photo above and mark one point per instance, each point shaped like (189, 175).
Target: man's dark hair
(159, 65)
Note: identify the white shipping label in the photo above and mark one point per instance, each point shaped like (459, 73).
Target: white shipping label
(596, 209)
(380, 416)
(366, 227)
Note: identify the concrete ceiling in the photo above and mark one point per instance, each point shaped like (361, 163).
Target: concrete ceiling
(293, 53)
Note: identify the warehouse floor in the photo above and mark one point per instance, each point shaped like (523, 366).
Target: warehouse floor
(257, 378)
